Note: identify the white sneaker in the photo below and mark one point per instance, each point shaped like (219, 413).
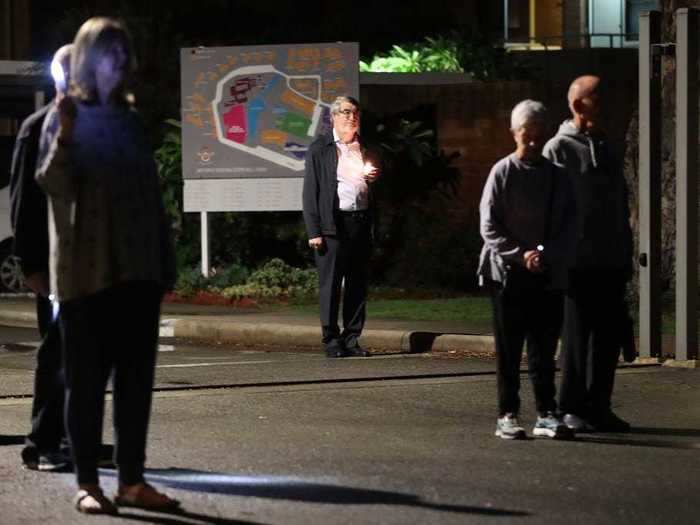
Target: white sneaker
(549, 425)
(507, 427)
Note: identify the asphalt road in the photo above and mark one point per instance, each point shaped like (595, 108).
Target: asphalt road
(249, 435)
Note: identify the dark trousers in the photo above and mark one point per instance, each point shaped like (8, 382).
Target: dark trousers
(113, 332)
(525, 310)
(48, 430)
(344, 256)
(592, 336)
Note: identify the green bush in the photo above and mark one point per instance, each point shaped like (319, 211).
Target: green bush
(275, 280)
(278, 274)
(253, 291)
(232, 275)
(440, 54)
(190, 280)
(465, 52)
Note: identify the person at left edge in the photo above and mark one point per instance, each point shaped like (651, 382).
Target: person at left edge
(110, 261)
(338, 211)
(43, 444)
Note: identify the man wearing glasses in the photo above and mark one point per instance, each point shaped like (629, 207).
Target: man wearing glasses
(338, 217)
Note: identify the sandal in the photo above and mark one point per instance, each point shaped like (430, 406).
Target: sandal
(144, 496)
(93, 501)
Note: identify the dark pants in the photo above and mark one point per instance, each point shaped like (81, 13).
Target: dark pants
(592, 336)
(48, 430)
(525, 310)
(344, 256)
(113, 332)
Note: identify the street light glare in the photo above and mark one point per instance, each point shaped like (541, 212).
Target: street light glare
(58, 75)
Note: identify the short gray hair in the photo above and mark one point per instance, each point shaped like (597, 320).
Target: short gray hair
(335, 106)
(527, 111)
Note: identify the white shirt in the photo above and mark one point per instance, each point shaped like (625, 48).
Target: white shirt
(352, 186)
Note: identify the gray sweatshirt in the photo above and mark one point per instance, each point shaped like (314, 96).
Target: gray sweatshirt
(523, 205)
(603, 234)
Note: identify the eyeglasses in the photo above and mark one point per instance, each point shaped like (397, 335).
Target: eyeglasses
(347, 113)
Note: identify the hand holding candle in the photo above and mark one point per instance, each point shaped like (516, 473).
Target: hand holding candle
(369, 172)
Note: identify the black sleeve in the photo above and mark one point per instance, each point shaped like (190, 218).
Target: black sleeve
(28, 208)
(312, 216)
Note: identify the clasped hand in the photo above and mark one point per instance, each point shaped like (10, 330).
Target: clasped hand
(533, 261)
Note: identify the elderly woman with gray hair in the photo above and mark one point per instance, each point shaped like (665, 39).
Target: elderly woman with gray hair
(526, 221)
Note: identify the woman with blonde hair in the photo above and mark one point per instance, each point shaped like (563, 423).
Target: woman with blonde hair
(110, 262)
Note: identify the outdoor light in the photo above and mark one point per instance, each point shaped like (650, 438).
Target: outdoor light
(58, 74)
(540, 248)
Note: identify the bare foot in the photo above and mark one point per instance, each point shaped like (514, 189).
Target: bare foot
(91, 500)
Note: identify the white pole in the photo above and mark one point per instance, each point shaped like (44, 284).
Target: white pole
(687, 28)
(204, 219)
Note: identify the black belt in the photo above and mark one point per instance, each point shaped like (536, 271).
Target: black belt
(355, 214)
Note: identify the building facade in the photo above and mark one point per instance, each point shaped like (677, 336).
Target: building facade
(555, 24)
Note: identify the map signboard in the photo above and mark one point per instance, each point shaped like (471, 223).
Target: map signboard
(249, 115)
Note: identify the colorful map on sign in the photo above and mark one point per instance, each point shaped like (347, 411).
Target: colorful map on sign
(254, 111)
(264, 112)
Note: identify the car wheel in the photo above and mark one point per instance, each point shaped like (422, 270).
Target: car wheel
(11, 277)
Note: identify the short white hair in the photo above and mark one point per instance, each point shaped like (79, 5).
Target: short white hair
(527, 111)
(338, 103)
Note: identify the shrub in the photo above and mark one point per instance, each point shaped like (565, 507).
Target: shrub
(275, 280)
(440, 54)
(465, 52)
(229, 276)
(190, 280)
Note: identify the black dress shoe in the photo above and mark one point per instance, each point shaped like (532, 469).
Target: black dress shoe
(30, 457)
(335, 351)
(357, 351)
(610, 422)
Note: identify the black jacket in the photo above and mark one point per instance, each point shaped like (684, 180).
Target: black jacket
(320, 193)
(28, 205)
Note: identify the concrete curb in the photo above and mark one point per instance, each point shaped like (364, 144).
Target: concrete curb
(280, 334)
(285, 335)
(17, 318)
(301, 335)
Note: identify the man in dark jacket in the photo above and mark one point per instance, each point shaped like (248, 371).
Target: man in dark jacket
(338, 217)
(31, 244)
(601, 264)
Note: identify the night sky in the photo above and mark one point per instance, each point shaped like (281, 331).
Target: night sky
(160, 27)
(376, 25)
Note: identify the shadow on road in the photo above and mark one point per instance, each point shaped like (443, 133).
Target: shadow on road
(176, 518)
(690, 432)
(631, 439)
(6, 441)
(276, 487)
